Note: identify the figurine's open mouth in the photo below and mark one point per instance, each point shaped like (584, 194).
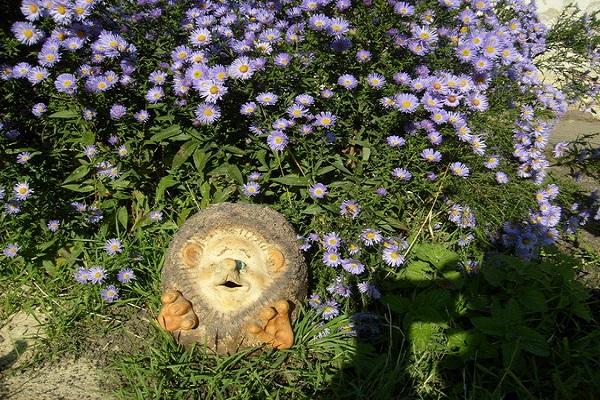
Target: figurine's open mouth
(231, 284)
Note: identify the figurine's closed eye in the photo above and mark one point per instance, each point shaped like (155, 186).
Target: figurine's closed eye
(191, 254)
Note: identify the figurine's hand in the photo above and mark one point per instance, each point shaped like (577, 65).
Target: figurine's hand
(275, 328)
(176, 312)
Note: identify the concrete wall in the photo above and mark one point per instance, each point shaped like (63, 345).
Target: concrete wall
(550, 9)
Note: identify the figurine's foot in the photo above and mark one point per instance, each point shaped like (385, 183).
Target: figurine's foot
(275, 328)
(176, 312)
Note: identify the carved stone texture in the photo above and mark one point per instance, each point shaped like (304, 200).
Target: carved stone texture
(232, 278)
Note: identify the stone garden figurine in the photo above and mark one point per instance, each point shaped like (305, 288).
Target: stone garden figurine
(232, 278)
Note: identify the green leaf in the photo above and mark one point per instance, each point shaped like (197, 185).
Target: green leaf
(494, 274)
(123, 216)
(531, 340)
(78, 173)
(200, 159)
(79, 188)
(65, 114)
(532, 299)
(166, 133)
(324, 170)
(436, 254)
(397, 303)
(424, 335)
(184, 152)
(234, 172)
(163, 184)
(313, 209)
(233, 150)
(291, 180)
(489, 326)
(417, 273)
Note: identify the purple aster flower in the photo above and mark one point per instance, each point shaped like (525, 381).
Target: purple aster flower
(23, 157)
(332, 241)
(330, 310)
(393, 257)
(241, 68)
(405, 102)
(254, 176)
(501, 178)
(267, 98)
(38, 109)
(304, 99)
(251, 189)
(296, 111)
(338, 287)
(53, 225)
(492, 162)
(211, 90)
(125, 275)
(277, 140)
(248, 108)
(96, 274)
(110, 294)
(459, 169)
(368, 289)
(338, 26)
(350, 208)
(207, 113)
(326, 93)
(431, 155)
(66, 83)
(155, 216)
(395, 141)
(314, 300)
(22, 191)
(404, 9)
(11, 250)
(402, 173)
(363, 55)
(141, 116)
(154, 95)
(560, 149)
(331, 258)
(381, 191)
(376, 81)
(12, 207)
(465, 240)
(117, 111)
(113, 246)
(282, 60)
(37, 75)
(158, 77)
(318, 191)
(325, 119)
(370, 237)
(478, 102)
(26, 33)
(353, 266)
(347, 81)
(82, 275)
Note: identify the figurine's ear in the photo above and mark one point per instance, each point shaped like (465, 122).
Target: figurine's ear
(275, 260)
(191, 254)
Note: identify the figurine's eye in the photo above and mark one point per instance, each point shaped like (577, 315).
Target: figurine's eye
(240, 265)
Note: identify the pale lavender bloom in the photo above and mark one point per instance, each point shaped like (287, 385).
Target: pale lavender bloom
(38, 109)
(125, 275)
(96, 274)
(393, 257)
(395, 141)
(431, 155)
(22, 191)
(402, 173)
(154, 95)
(12, 207)
(117, 111)
(350, 208)
(251, 189)
(267, 98)
(304, 99)
(332, 241)
(370, 237)
(113, 246)
(363, 55)
(277, 140)
(347, 81)
(376, 81)
(207, 113)
(353, 266)
(155, 216)
(26, 33)
(492, 162)
(318, 191)
(501, 178)
(331, 258)
(406, 102)
(369, 289)
(560, 149)
(23, 157)
(37, 74)
(459, 169)
(330, 310)
(314, 300)
(53, 225)
(82, 275)
(110, 294)
(381, 191)
(248, 108)
(66, 83)
(11, 250)
(325, 119)
(141, 116)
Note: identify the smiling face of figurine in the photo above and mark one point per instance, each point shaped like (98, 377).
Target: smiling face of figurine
(232, 268)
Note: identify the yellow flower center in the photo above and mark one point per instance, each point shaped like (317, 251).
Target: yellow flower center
(201, 37)
(33, 8)
(28, 33)
(214, 90)
(67, 83)
(101, 85)
(326, 121)
(208, 112)
(244, 68)
(61, 10)
(406, 104)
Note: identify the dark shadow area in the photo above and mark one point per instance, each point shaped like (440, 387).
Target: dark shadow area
(507, 330)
